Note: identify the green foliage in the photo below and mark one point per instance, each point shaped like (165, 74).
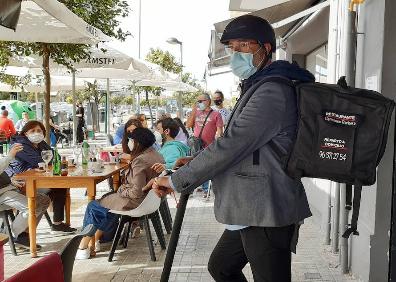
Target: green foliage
(164, 59)
(129, 100)
(116, 100)
(89, 94)
(102, 14)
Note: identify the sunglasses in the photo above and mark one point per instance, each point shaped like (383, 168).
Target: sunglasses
(200, 101)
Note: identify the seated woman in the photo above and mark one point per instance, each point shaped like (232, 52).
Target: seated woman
(129, 195)
(171, 149)
(32, 139)
(12, 197)
(130, 126)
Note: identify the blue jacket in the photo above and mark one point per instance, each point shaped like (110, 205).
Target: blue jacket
(119, 134)
(28, 158)
(172, 150)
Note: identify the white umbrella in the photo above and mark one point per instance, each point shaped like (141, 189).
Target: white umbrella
(58, 83)
(50, 21)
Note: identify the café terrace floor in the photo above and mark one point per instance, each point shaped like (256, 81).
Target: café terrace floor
(313, 262)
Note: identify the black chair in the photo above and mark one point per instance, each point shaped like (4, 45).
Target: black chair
(148, 209)
(166, 215)
(68, 254)
(8, 216)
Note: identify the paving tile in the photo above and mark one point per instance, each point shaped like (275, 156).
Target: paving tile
(199, 235)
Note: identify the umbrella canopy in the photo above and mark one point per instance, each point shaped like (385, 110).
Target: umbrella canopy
(104, 62)
(15, 109)
(9, 13)
(49, 21)
(58, 83)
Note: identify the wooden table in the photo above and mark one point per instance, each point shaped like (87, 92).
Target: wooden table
(35, 180)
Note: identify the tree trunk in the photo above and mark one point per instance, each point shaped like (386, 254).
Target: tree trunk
(47, 97)
(151, 113)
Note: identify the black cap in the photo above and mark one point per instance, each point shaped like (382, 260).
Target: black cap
(143, 136)
(250, 27)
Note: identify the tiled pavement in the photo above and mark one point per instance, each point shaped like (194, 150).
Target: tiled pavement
(200, 232)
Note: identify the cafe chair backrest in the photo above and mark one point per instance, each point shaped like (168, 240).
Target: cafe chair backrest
(47, 269)
(149, 205)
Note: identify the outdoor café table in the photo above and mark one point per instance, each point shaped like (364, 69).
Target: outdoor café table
(35, 179)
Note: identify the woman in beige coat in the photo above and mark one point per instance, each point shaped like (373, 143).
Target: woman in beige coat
(129, 195)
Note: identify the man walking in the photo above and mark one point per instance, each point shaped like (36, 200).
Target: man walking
(207, 124)
(259, 203)
(80, 122)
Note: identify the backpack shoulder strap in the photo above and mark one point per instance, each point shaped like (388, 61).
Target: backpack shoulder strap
(203, 126)
(357, 193)
(274, 147)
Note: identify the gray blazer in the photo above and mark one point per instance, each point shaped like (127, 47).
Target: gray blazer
(252, 189)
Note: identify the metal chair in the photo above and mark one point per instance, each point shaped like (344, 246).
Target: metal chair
(148, 209)
(7, 215)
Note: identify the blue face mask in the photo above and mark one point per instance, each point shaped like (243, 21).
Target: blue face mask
(242, 64)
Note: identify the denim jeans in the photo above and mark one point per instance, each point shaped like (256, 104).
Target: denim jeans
(100, 218)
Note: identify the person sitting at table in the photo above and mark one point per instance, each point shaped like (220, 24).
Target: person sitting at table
(32, 139)
(130, 126)
(120, 132)
(171, 149)
(11, 197)
(128, 196)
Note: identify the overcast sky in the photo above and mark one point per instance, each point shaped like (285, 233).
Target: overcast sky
(190, 21)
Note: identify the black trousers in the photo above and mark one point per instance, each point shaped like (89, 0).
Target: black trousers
(267, 249)
(58, 199)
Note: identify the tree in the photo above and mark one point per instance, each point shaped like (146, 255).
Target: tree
(117, 100)
(128, 100)
(102, 14)
(190, 98)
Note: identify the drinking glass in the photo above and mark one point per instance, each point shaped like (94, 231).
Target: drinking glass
(46, 155)
(77, 153)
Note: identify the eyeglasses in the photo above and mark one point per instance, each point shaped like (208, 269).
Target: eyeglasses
(239, 45)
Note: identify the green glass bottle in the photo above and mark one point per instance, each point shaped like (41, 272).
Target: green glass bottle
(85, 155)
(56, 163)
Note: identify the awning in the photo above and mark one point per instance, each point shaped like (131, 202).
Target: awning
(9, 13)
(275, 14)
(50, 21)
(281, 16)
(316, 28)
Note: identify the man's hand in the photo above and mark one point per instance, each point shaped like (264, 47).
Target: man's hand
(15, 149)
(148, 186)
(158, 167)
(181, 162)
(161, 186)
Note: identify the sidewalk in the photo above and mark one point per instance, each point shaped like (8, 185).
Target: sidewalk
(199, 235)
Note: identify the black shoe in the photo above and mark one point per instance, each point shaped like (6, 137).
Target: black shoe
(23, 241)
(62, 228)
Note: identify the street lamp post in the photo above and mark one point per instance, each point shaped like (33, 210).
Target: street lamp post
(173, 40)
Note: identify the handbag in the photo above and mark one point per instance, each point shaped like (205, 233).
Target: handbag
(196, 144)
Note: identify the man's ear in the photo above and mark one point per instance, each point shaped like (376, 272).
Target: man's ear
(267, 48)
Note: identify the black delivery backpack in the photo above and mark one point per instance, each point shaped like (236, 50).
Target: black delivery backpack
(341, 136)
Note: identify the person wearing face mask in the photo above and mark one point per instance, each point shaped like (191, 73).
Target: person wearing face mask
(130, 126)
(129, 195)
(260, 205)
(207, 131)
(11, 196)
(32, 139)
(218, 100)
(171, 149)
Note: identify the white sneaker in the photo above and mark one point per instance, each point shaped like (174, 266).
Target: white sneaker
(83, 254)
(97, 246)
